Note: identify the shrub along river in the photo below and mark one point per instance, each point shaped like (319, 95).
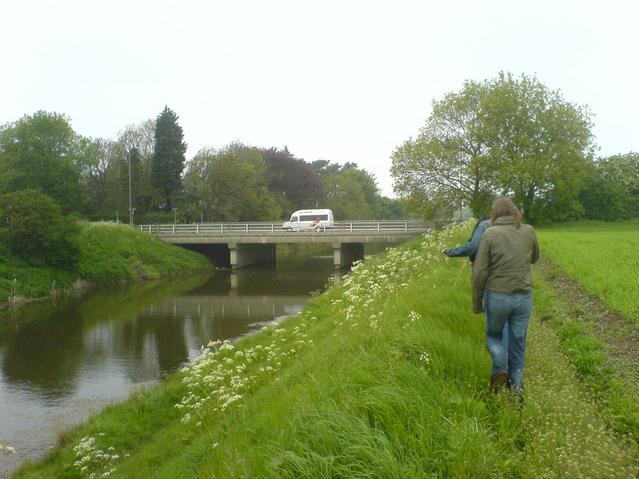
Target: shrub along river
(61, 362)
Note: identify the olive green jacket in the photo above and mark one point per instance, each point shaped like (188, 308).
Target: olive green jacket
(503, 260)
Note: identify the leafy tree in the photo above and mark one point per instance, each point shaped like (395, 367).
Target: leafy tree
(37, 228)
(501, 136)
(41, 151)
(94, 160)
(346, 197)
(623, 170)
(604, 199)
(449, 161)
(324, 167)
(540, 145)
(231, 184)
(368, 185)
(140, 136)
(351, 192)
(293, 181)
(138, 141)
(168, 158)
(393, 209)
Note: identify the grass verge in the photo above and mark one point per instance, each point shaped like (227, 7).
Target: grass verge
(108, 253)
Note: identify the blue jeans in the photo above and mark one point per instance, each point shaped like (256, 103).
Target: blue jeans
(507, 314)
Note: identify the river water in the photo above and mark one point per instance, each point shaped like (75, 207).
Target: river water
(60, 363)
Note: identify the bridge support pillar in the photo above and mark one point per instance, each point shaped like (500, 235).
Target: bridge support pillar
(344, 254)
(242, 254)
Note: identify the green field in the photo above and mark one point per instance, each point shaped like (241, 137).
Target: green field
(602, 257)
(108, 253)
(384, 375)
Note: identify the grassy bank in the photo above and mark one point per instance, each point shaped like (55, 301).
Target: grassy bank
(385, 375)
(602, 257)
(108, 253)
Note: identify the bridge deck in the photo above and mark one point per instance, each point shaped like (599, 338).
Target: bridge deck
(343, 231)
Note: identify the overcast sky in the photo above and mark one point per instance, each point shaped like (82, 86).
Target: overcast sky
(334, 80)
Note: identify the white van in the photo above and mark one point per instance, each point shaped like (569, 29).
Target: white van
(308, 220)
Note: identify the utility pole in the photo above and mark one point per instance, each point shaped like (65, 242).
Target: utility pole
(130, 201)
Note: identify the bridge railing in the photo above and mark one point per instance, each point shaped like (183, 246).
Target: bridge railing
(210, 229)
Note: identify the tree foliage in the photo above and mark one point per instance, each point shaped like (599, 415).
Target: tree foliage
(168, 158)
(604, 199)
(292, 180)
(506, 135)
(351, 192)
(613, 191)
(41, 151)
(37, 228)
(90, 176)
(623, 170)
(540, 145)
(231, 184)
(449, 161)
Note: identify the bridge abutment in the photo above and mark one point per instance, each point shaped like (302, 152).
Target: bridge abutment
(247, 254)
(344, 254)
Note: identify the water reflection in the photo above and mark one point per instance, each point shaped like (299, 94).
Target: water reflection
(60, 363)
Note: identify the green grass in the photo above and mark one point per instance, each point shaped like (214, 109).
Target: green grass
(590, 357)
(19, 278)
(108, 253)
(602, 257)
(385, 375)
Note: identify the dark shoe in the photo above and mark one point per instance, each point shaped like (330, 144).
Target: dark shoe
(498, 381)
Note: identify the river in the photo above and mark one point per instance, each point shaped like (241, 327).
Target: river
(60, 363)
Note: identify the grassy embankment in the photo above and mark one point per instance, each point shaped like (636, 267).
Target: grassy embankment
(385, 375)
(108, 253)
(589, 291)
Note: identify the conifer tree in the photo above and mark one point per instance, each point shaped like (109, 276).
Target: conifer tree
(168, 158)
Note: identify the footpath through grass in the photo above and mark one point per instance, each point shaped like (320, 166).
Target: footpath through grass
(602, 257)
(385, 375)
(108, 253)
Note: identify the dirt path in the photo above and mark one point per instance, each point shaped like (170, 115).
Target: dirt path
(617, 332)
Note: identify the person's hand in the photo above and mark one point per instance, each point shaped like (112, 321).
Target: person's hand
(445, 251)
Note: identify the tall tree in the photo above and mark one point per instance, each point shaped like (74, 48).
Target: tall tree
(135, 141)
(540, 145)
(93, 184)
(501, 136)
(346, 197)
(351, 192)
(41, 151)
(292, 180)
(168, 158)
(622, 171)
(231, 184)
(448, 164)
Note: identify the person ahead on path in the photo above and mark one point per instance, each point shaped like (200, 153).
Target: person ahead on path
(470, 249)
(502, 287)
(472, 245)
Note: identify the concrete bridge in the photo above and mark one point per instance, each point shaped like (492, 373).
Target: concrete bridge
(244, 244)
